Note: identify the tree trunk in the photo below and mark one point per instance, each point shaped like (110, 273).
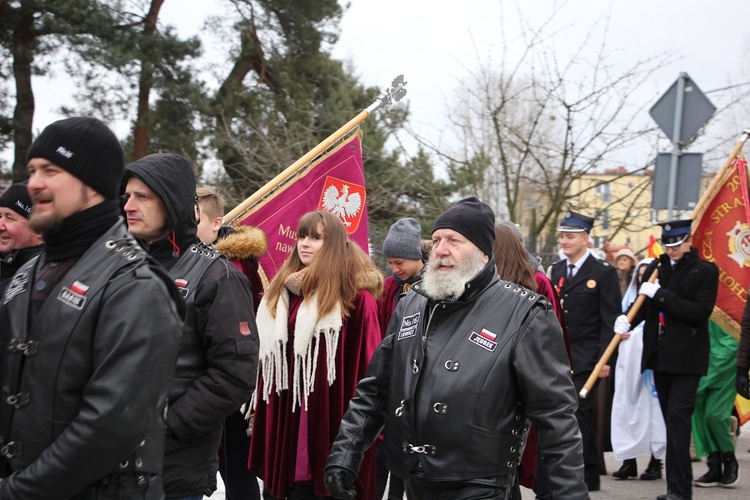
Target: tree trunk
(23, 115)
(145, 82)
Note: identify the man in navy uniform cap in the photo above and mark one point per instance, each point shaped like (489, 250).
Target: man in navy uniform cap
(676, 342)
(590, 296)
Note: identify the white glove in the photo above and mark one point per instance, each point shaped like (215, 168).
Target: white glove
(649, 289)
(622, 325)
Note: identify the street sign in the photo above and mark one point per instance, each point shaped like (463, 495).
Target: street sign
(688, 181)
(695, 111)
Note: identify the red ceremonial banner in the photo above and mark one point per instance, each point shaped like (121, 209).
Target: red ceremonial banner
(335, 182)
(722, 235)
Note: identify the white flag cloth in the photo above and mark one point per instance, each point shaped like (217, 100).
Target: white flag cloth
(637, 423)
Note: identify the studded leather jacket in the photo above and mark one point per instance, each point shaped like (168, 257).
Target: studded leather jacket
(84, 382)
(456, 384)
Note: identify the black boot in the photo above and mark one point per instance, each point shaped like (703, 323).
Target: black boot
(713, 476)
(629, 469)
(653, 471)
(731, 475)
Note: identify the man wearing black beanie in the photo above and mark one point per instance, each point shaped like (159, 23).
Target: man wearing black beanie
(84, 371)
(18, 242)
(467, 364)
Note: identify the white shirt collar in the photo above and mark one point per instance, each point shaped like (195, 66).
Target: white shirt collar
(580, 261)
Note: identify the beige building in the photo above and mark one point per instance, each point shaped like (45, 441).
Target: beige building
(621, 203)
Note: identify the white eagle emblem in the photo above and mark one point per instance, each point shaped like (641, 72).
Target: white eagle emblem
(343, 205)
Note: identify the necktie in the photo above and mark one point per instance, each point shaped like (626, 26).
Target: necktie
(571, 271)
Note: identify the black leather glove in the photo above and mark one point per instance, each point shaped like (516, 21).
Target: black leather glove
(742, 383)
(340, 482)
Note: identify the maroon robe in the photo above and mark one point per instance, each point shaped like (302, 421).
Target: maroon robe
(527, 470)
(274, 443)
(387, 303)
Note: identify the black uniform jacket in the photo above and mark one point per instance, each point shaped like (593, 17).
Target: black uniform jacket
(687, 297)
(456, 383)
(591, 303)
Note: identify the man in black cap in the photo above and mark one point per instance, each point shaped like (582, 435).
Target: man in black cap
(89, 331)
(590, 296)
(18, 242)
(468, 363)
(676, 345)
(218, 358)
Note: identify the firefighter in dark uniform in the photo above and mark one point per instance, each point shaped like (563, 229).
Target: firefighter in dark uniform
(590, 296)
(676, 344)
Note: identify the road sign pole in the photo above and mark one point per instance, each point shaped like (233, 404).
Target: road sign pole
(676, 148)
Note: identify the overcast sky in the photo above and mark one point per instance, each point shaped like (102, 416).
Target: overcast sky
(434, 43)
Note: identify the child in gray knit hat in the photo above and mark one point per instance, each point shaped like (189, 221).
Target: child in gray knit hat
(403, 240)
(402, 249)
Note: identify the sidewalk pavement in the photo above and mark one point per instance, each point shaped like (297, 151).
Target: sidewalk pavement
(635, 489)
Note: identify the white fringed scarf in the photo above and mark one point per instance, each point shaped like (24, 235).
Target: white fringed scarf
(308, 328)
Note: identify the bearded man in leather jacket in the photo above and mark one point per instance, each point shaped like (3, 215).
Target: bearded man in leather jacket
(89, 332)
(468, 361)
(218, 357)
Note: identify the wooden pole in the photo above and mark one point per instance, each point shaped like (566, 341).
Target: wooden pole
(615, 341)
(393, 94)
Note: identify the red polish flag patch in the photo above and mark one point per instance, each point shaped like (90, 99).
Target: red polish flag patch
(488, 334)
(79, 287)
(244, 328)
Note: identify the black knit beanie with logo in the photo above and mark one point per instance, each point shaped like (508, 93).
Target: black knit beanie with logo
(473, 219)
(17, 198)
(86, 148)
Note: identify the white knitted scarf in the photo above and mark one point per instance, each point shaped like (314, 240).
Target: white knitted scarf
(308, 329)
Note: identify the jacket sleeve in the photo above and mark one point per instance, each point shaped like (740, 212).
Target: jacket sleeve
(543, 373)
(133, 366)
(609, 307)
(696, 310)
(230, 337)
(743, 354)
(364, 420)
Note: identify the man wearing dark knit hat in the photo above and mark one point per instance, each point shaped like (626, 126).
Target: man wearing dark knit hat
(590, 297)
(84, 378)
(18, 242)
(468, 364)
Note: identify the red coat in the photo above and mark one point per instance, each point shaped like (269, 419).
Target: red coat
(387, 303)
(274, 443)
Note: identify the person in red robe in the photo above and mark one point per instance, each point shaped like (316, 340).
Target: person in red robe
(513, 265)
(318, 324)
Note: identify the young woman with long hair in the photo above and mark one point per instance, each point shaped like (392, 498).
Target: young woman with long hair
(318, 324)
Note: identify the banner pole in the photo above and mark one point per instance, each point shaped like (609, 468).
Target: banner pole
(393, 94)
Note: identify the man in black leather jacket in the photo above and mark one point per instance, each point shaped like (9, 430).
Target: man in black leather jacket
(89, 332)
(18, 242)
(468, 361)
(218, 358)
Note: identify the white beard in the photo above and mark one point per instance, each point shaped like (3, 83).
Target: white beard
(441, 285)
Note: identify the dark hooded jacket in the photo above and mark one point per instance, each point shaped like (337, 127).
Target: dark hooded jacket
(218, 357)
